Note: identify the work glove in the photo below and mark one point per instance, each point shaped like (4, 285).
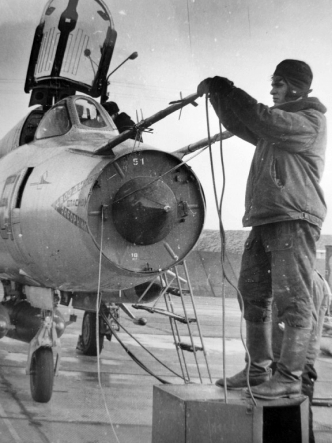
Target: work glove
(216, 85)
(204, 87)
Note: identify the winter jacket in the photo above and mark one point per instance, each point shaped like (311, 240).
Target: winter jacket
(288, 162)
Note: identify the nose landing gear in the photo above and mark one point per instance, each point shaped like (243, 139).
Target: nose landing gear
(41, 364)
(42, 374)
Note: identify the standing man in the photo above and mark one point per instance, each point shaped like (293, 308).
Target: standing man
(285, 207)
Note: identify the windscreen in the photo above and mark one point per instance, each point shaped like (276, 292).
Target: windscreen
(88, 114)
(55, 122)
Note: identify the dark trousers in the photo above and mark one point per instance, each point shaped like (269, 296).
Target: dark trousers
(278, 262)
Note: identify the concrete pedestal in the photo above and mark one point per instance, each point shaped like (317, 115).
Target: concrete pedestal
(199, 414)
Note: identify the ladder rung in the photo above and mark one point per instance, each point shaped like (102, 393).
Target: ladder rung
(177, 292)
(184, 320)
(188, 347)
(177, 317)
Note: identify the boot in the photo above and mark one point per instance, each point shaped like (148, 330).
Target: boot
(260, 350)
(286, 382)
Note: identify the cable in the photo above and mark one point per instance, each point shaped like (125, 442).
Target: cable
(98, 302)
(142, 346)
(218, 206)
(223, 255)
(223, 252)
(136, 359)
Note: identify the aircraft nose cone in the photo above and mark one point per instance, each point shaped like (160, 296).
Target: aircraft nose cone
(144, 211)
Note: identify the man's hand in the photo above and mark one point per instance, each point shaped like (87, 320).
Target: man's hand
(204, 87)
(220, 86)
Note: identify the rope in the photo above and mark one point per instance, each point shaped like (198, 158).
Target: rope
(98, 301)
(136, 359)
(218, 207)
(223, 255)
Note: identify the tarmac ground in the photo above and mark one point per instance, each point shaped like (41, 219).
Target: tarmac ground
(114, 402)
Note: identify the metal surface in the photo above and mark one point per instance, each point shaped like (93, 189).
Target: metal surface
(50, 212)
(146, 123)
(62, 227)
(146, 291)
(131, 182)
(202, 143)
(25, 321)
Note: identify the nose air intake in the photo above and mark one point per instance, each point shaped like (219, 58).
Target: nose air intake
(144, 211)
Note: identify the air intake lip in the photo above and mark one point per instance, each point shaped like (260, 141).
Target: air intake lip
(149, 209)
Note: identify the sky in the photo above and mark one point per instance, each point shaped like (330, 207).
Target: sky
(179, 43)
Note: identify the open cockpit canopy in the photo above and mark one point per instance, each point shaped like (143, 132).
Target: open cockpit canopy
(71, 51)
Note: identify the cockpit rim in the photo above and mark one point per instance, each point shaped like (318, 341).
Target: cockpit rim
(74, 120)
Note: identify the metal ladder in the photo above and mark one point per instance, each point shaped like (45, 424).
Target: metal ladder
(177, 286)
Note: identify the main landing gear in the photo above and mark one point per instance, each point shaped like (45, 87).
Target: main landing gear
(87, 341)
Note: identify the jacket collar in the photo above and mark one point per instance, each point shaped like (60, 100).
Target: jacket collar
(301, 105)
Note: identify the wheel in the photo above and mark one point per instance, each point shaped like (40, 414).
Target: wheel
(88, 342)
(42, 375)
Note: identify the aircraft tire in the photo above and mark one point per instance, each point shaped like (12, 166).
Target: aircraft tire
(42, 375)
(88, 344)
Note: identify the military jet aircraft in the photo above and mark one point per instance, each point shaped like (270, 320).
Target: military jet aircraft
(88, 216)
